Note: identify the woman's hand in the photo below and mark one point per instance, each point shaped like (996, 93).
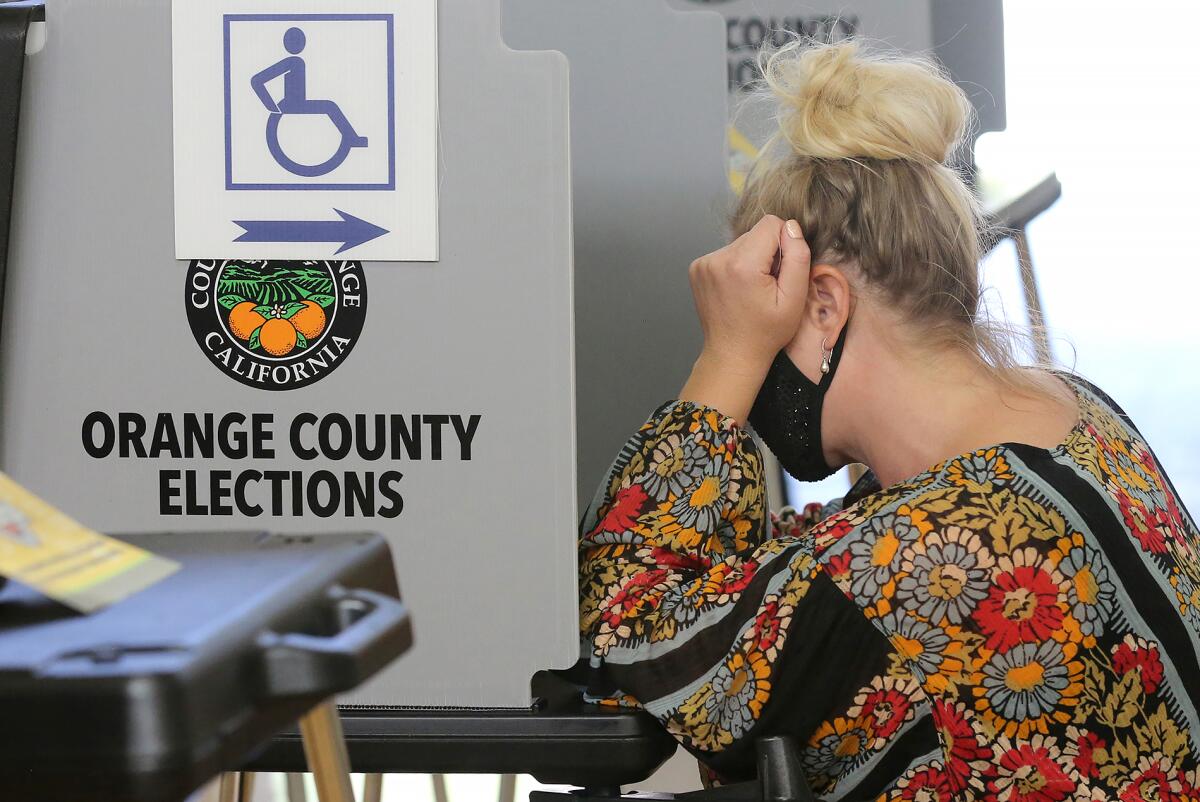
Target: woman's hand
(750, 297)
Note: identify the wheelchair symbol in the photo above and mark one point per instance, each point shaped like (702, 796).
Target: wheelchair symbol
(296, 101)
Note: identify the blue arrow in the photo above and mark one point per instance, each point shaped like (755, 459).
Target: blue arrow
(350, 231)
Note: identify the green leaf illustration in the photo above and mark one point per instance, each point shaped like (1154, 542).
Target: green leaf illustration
(263, 310)
(291, 309)
(245, 287)
(301, 340)
(274, 283)
(254, 339)
(230, 301)
(325, 301)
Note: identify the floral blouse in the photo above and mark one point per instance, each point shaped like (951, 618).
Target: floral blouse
(1015, 623)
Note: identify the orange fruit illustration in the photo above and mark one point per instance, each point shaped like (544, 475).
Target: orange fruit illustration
(309, 321)
(243, 320)
(277, 337)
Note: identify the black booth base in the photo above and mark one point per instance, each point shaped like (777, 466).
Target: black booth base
(780, 779)
(560, 740)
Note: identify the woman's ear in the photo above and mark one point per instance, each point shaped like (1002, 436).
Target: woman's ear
(828, 300)
(826, 311)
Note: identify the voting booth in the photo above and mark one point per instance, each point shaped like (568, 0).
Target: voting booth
(649, 195)
(158, 373)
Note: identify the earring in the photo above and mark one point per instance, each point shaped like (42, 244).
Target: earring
(825, 357)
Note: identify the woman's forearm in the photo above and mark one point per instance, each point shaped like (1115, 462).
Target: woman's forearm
(725, 382)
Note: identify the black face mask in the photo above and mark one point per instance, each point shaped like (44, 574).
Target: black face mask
(787, 415)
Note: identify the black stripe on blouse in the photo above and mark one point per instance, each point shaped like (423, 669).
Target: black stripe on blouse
(831, 653)
(1156, 608)
(664, 674)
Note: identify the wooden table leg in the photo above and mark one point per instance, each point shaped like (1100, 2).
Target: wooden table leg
(295, 787)
(372, 787)
(246, 787)
(230, 788)
(439, 788)
(508, 788)
(325, 751)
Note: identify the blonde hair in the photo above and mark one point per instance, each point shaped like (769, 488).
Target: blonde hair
(863, 158)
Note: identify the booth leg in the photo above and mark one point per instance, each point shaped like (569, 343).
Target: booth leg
(508, 788)
(325, 751)
(439, 788)
(295, 787)
(246, 787)
(372, 787)
(230, 788)
(1033, 298)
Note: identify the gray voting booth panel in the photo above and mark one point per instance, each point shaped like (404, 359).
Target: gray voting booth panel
(95, 322)
(648, 115)
(968, 37)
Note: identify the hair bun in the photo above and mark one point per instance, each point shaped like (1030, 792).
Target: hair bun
(836, 102)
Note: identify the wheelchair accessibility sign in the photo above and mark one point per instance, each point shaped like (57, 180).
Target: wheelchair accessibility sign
(305, 129)
(318, 137)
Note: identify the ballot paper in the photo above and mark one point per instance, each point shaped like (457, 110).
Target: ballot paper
(59, 557)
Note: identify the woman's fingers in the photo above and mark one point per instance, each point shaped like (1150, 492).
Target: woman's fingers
(760, 245)
(794, 264)
(750, 294)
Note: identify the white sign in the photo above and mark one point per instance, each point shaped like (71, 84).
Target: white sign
(305, 129)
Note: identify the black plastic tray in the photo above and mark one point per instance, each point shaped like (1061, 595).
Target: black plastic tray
(149, 698)
(559, 740)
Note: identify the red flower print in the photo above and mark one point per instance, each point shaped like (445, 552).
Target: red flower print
(1136, 654)
(1160, 521)
(927, 784)
(885, 709)
(1168, 530)
(1176, 518)
(1022, 607)
(1188, 790)
(766, 626)
(1144, 525)
(629, 598)
(1086, 744)
(665, 558)
(741, 578)
(838, 567)
(832, 528)
(1156, 780)
(623, 513)
(1028, 773)
(962, 748)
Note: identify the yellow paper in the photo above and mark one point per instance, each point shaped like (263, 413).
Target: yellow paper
(43, 548)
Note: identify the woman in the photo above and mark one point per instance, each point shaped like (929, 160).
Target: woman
(1006, 606)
